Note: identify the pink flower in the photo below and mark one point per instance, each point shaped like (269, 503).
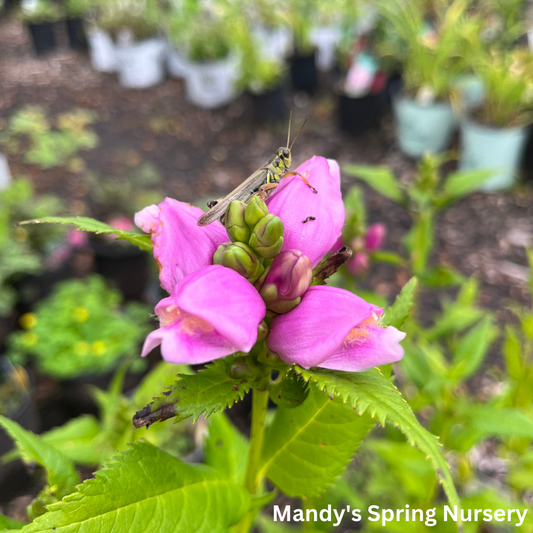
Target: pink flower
(181, 247)
(333, 328)
(358, 264)
(293, 201)
(123, 223)
(211, 313)
(375, 235)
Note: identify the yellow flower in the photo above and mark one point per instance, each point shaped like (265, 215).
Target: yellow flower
(80, 314)
(29, 338)
(81, 348)
(28, 320)
(98, 348)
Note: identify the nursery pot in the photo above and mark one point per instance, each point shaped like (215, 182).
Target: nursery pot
(325, 39)
(499, 149)
(102, 51)
(76, 34)
(141, 65)
(177, 64)
(213, 83)
(423, 128)
(527, 166)
(42, 36)
(272, 41)
(124, 265)
(303, 72)
(14, 476)
(359, 115)
(269, 106)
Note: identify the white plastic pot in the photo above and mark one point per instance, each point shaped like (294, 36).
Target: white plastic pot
(5, 174)
(530, 39)
(177, 63)
(273, 43)
(102, 51)
(141, 65)
(500, 149)
(212, 84)
(325, 39)
(423, 128)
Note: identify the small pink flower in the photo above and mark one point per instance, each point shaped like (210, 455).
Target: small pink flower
(333, 328)
(293, 201)
(358, 264)
(77, 239)
(211, 313)
(375, 236)
(123, 223)
(181, 247)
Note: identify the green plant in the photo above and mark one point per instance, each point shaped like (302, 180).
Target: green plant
(433, 54)
(426, 195)
(50, 144)
(80, 329)
(78, 8)
(300, 14)
(42, 11)
(508, 82)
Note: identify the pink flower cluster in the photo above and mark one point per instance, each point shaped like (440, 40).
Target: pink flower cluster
(213, 311)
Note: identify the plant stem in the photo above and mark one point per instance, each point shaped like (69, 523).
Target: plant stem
(252, 480)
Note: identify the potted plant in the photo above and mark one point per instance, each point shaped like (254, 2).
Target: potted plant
(75, 11)
(432, 56)
(213, 64)
(494, 135)
(139, 52)
(39, 16)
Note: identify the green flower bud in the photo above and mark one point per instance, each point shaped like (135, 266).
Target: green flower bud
(236, 226)
(269, 358)
(255, 211)
(262, 331)
(267, 236)
(245, 367)
(243, 260)
(217, 257)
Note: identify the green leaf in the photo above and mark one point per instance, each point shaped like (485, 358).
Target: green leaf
(441, 276)
(211, 390)
(462, 183)
(159, 378)
(75, 440)
(512, 351)
(60, 470)
(100, 228)
(289, 392)
(422, 241)
(308, 447)
(10, 523)
(145, 489)
(385, 256)
(472, 349)
(226, 449)
(397, 314)
(370, 392)
(381, 179)
(491, 421)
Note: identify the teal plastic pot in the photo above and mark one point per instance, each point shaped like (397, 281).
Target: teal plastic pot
(500, 149)
(423, 128)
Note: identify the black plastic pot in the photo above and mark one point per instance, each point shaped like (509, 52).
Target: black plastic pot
(76, 34)
(269, 106)
(527, 161)
(42, 37)
(360, 115)
(125, 266)
(303, 72)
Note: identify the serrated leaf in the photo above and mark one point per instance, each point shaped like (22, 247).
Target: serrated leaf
(472, 349)
(370, 392)
(207, 392)
(289, 392)
(381, 179)
(226, 448)
(75, 440)
(145, 489)
(60, 470)
(163, 375)
(397, 313)
(100, 228)
(308, 447)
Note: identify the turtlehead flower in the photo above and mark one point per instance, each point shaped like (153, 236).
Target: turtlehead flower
(264, 261)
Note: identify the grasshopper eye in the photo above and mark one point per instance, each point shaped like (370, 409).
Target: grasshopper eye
(285, 153)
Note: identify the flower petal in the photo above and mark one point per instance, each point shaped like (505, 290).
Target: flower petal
(312, 332)
(293, 201)
(180, 245)
(381, 346)
(211, 313)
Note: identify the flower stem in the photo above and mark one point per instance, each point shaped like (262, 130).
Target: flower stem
(252, 480)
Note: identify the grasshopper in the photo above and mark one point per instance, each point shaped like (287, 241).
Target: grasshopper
(261, 183)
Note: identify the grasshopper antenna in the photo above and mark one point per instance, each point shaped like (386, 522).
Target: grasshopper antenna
(289, 134)
(300, 131)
